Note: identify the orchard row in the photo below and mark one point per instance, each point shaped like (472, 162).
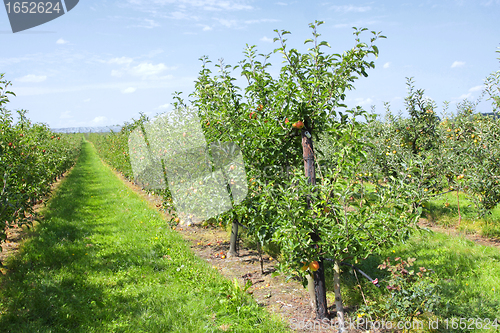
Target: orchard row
(31, 159)
(353, 185)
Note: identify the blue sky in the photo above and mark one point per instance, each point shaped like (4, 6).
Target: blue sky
(105, 61)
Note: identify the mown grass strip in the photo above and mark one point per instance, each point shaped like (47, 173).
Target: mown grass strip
(103, 261)
(444, 210)
(468, 274)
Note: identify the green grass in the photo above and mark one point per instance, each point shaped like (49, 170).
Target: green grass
(468, 275)
(443, 210)
(102, 261)
(447, 215)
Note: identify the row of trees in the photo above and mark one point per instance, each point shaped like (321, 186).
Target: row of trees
(31, 159)
(325, 183)
(312, 208)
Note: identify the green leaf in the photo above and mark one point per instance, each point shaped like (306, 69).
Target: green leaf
(309, 40)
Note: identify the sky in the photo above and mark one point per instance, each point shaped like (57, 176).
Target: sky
(105, 62)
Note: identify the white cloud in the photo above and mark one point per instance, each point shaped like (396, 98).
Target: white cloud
(86, 100)
(227, 23)
(476, 88)
(32, 78)
(281, 4)
(387, 64)
(260, 21)
(266, 39)
(148, 24)
(65, 115)
(464, 96)
(163, 107)
(180, 15)
(358, 23)
(129, 90)
(351, 8)
(148, 69)
(99, 119)
(208, 5)
(341, 25)
(144, 70)
(116, 73)
(61, 41)
(363, 101)
(206, 27)
(121, 61)
(182, 83)
(220, 5)
(457, 64)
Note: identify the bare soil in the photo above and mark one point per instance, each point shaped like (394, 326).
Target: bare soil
(453, 231)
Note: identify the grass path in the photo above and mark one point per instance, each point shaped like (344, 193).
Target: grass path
(103, 261)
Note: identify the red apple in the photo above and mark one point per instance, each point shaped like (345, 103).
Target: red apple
(314, 266)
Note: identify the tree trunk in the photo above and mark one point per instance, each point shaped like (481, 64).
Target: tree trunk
(458, 206)
(312, 293)
(318, 276)
(234, 239)
(338, 297)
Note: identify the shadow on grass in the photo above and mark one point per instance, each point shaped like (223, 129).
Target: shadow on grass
(47, 288)
(460, 270)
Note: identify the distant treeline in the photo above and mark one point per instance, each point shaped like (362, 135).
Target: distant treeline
(102, 129)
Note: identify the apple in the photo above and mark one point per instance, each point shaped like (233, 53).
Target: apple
(260, 107)
(287, 121)
(299, 124)
(10, 144)
(184, 134)
(314, 266)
